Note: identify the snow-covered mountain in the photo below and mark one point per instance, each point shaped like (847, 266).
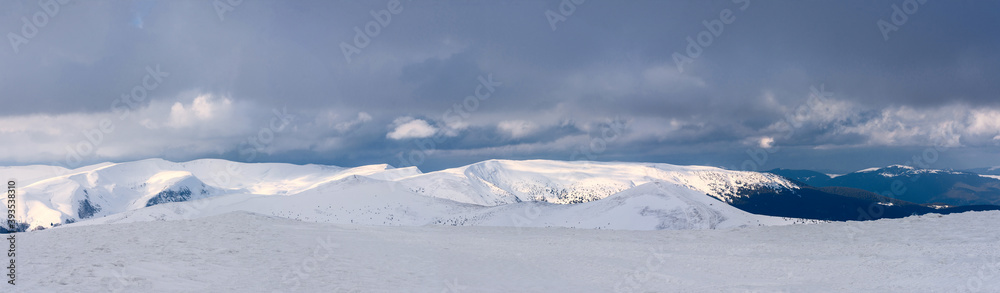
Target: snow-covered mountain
(988, 171)
(495, 192)
(110, 188)
(903, 170)
(651, 206)
(497, 182)
(360, 200)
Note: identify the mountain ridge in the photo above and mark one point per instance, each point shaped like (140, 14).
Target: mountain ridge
(917, 185)
(484, 193)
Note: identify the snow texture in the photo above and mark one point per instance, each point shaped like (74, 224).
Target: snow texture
(244, 252)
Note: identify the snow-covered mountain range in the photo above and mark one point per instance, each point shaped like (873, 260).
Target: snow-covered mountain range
(912, 184)
(495, 192)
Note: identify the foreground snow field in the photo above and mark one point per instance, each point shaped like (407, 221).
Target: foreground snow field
(245, 252)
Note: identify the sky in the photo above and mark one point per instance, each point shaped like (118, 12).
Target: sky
(834, 86)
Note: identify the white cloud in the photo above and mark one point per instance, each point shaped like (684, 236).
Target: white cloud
(454, 127)
(949, 126)
(906, 126)
(205, 107)
(408, 127)
(347, 126)
(766, 142)
(186, 127)
(517, 128)
(642, 128)
(984, 122)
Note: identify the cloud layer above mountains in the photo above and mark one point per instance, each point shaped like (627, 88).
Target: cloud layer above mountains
(817, 85)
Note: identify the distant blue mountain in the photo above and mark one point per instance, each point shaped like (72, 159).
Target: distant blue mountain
(920, 186)
(985, 171)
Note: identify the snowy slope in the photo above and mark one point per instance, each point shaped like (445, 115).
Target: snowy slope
(110, 188)
(106, 190)
(903, 170)
(497, 182)
(651, 206)
(571, 193)
(362, 200)
(24, 175)
(241, 252)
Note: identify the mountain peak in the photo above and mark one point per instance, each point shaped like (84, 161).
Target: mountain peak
(890, 167)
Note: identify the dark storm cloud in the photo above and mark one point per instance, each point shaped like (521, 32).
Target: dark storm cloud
(933, 80)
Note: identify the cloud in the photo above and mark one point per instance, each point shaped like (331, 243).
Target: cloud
(205, 125)
(933, 82)
(203, 109)
(956, 125)
(766, 142)
(984, 122)
(347, 126)
(408, 128)
(517, 128)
